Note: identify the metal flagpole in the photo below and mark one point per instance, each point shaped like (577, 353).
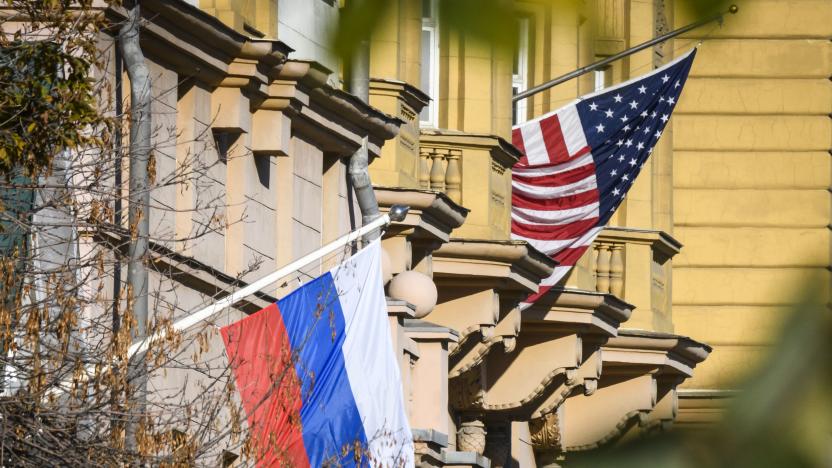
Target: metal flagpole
(584, 70)
(396, 213)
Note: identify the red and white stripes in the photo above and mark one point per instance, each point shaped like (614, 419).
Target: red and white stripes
(555, 198)
(552, 139)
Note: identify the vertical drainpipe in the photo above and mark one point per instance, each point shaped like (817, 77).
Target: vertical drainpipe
(138, 207)
(359, 84)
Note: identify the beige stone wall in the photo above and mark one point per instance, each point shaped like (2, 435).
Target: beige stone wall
(257, 18)
(751, 172)
(474, 85)
(307, 26)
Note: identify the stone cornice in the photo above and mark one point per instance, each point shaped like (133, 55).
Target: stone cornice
(422, 330)
(659, 241)
(508, 264)
(503, 152)
(432, 214)
(197, 43)
(312, 77)
(337, 119)
(412, 96)
(574, 310)
(665, 352)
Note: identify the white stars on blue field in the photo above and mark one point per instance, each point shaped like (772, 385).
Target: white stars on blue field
(624, 125)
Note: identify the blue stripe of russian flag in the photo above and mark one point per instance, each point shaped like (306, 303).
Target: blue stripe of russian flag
(350, 391)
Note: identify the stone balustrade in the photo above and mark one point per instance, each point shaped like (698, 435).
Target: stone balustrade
(439, 169)
(609, 267)
(634, 265)
(473, 170)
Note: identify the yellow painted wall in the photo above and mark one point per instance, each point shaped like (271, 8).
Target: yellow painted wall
(255, 17)
(751, 172)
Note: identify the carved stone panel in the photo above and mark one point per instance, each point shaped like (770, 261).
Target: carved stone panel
(546, 433)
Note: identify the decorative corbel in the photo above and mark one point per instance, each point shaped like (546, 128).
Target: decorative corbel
(546, 435)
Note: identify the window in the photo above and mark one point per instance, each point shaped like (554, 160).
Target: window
(520, 72)
(602, 77)
(430, 63)
(599, 79)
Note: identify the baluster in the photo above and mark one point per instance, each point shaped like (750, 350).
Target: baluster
(453, 177)
(617, 270)
(424, 170)
(593, 266)
(437, 171)
(602, 268)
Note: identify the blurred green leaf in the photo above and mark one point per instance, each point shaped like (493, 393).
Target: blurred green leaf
(781, 417)
(484, 20)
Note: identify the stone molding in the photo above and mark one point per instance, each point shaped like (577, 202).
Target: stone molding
(659, 241)
(190, 272)
(665, 353)
(627, 421)
(479, 350)
(575, 309)
(519, 267)
(411, 95)
(589, 319)
(502, 152)
(196, 44)
(432, 214)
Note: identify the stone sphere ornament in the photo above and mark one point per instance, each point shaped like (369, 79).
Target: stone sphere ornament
(415, 288)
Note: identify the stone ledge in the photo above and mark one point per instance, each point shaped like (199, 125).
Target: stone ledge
(469, 459)
(423, 331)
(502, 151)
(525, 266)
(431, 212)
(659, 241)
(671, 354)
(431, 436)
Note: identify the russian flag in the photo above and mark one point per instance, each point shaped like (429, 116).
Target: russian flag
(317, 374)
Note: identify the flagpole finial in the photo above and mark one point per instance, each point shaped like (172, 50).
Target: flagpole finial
(733, 9)
(398, 212)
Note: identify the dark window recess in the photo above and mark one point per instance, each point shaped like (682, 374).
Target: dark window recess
(224, 141)
(17, 198)
(263, 164)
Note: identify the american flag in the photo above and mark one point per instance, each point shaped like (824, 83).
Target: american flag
(580, 160)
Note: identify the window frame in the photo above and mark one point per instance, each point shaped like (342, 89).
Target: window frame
(520, 80)
(431, 26)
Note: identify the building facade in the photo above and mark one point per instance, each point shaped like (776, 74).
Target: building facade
(252, 91)
(751, 178)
